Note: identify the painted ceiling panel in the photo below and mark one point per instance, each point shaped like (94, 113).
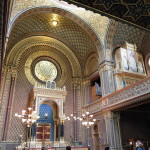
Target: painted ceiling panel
(133, 12)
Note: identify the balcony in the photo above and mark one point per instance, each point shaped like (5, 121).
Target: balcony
(124, 97)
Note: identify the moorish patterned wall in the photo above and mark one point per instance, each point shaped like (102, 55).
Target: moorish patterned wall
(124, 32)
(21, 93)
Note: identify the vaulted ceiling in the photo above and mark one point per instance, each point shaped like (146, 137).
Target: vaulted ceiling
(67, 31)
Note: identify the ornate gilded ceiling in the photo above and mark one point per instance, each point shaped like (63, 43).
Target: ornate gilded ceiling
(73, 31)
(100, 27)
(67, 31)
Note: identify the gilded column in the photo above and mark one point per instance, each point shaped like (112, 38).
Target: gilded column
(77, 105)
(107, 79)
(11, 76)
(113, 136)
(86, 92)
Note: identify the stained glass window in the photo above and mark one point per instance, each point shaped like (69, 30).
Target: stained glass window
(45, 70)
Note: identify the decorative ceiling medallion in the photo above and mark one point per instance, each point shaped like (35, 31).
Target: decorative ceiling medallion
(45, 70)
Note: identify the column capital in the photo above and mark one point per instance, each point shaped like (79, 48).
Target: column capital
(62, 121)
(111, 115)
(86, 82)
(108, 115)
(76, 82)
(116, 115)
(106, 65)
(12, 70)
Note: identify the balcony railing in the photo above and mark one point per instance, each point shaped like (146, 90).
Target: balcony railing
(131, 94)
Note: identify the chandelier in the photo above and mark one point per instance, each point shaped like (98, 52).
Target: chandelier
(72, 117)
(28, 117)
(87, 120)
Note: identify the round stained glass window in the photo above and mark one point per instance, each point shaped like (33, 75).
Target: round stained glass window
(45, 71)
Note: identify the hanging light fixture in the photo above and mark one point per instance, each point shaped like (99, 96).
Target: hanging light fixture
(87, 120)
(28, 117)
(54, 22)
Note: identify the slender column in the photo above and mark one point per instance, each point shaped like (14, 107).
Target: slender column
(55, 129)
(116, 120)
(109, 129)
(77, 105)
(9, 103)
(74, 114)
(57, 132)
(107, 78)
(86, 93)
(113, 130)
(62, 131)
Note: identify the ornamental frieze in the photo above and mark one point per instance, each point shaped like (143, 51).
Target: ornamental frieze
(129, 95)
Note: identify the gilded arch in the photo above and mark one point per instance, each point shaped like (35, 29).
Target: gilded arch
(91, 64)
(16, 52)
(38, 54)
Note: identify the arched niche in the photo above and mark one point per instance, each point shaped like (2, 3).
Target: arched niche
(91, 65)
(46, 117)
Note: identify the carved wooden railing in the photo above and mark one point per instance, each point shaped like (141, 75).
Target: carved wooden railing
(131, 94)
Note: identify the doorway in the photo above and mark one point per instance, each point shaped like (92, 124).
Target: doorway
(134, 125)
(43, 132)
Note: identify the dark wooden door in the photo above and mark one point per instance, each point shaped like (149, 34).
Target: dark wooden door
(43, 132)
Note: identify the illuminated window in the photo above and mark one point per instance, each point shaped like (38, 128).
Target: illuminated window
(45, 70)
(149, 61)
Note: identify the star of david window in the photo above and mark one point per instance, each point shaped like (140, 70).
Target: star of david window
(45, 71)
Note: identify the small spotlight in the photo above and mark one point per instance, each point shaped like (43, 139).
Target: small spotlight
(54, 22)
